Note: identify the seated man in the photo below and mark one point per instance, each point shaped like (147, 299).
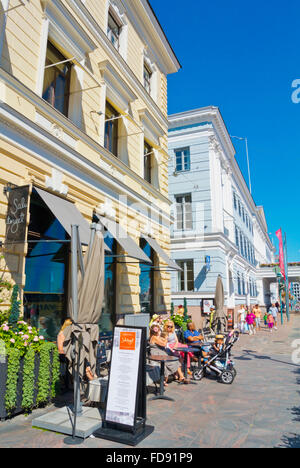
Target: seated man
(192, 336)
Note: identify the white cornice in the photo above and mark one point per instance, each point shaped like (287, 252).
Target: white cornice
(124, 70)
(152, 130)
(119, 88)
(66, 30)
(150, 31)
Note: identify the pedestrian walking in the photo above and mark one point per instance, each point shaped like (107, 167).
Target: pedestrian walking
(250, 320)
(256, 310)
(274, 311)
(266, 319)
(270, 321)
(242, 318)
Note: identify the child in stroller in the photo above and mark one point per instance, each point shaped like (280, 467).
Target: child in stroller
(217, 359)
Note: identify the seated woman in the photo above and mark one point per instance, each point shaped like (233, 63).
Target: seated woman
(173, 343)
(158, 347)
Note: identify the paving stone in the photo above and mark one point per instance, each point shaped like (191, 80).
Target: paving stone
(260, 409)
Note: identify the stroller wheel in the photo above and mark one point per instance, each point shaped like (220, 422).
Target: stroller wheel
(198, 374)
(227, 377)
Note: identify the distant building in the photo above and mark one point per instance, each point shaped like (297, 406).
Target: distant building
(218, 229)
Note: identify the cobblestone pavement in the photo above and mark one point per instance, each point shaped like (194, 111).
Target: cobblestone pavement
(260, 409)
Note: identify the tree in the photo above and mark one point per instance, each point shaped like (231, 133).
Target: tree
(14, 308)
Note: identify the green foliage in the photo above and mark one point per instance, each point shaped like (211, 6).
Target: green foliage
(15, 308)
(5, 287)
(28, 380)
(3, 316)
(27, 344)
(179, 320)
(44, 374)
(21, 336)
(55, 372)
(13, 366)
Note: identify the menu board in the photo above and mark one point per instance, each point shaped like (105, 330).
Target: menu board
(123, 379)
(16, 219)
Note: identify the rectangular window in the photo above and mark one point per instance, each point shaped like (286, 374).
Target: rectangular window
(146, 280)
(237, 238)
(183, 160)
(113, 31)
(186, 276)
(111, 129)
(57, 78)
(184, 212)
(242, 243)
(234, 201)
(148, 154)
(239, 284)
(147, 78)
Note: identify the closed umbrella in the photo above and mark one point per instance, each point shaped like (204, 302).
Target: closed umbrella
(90, 300)
(219, 324)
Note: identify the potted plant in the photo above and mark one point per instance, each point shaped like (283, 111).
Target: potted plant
(29, 366)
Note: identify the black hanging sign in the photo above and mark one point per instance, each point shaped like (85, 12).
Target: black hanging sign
(16, 219)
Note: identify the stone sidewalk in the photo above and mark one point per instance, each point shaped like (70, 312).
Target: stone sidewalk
(260, 409)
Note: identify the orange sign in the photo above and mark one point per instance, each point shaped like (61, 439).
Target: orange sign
(127, 341)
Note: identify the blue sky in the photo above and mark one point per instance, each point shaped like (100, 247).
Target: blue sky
(243, 57)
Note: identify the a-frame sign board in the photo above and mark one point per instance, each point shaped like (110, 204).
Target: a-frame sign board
(125, 413)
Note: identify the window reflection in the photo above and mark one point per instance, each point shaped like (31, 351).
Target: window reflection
(108, 317)
(56, 89)
(146, 281)
(46, 270)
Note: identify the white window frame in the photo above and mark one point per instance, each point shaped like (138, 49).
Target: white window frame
(184, 212)
(60, 27)
(150, 64)
(185, 275)
(116, 9)
(182, 150)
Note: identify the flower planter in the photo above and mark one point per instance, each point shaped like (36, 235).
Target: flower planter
(18, 407)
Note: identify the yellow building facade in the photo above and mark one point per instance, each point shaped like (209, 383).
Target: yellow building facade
(83, 117)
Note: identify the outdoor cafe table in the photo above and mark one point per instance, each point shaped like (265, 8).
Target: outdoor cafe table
(162, 360)
(186, 351)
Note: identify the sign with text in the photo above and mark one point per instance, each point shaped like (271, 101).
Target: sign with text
(16, 219)
(123, 379)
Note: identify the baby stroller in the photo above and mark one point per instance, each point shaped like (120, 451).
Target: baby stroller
(219, 363)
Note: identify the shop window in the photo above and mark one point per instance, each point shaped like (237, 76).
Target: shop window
(108, 318)
(147, 281)
(111, 133)
(57, 79)
(46, 270)
(186, 276)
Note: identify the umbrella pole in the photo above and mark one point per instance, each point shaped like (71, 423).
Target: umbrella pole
(77, 407)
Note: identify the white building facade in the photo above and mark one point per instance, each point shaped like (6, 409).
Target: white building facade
(218, 229)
